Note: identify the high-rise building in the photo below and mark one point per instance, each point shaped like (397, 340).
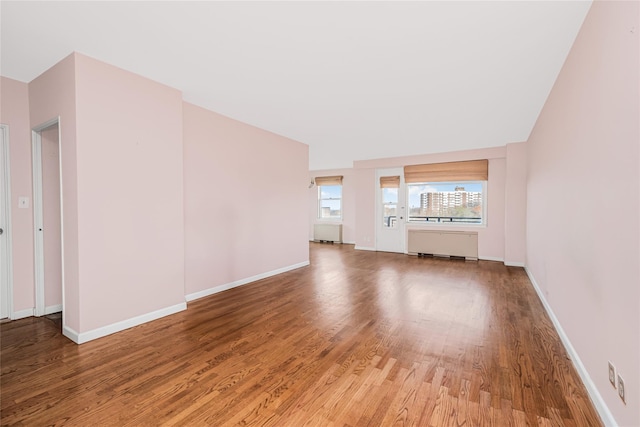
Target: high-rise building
(439, 203)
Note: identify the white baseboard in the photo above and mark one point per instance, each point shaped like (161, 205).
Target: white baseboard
(29, 312)
(83, 337)
(53, 309)
(364, 248)
(71, 334)
(490, 258)
(21, 314)
(514, 264)
(594, 394)
(235, 284)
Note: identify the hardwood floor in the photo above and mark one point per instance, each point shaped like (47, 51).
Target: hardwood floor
(356, 339)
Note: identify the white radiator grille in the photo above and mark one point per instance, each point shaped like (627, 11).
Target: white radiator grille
(327, 232)
(443, 243)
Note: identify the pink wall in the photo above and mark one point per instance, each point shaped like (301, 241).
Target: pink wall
(125, 194)
(515, 227)
(246, 193)
(14, 112)
(51, 95)
(491, 239)
(51, 219)
(583, 201)
(130, 194)
(348, 202)
(366, 187)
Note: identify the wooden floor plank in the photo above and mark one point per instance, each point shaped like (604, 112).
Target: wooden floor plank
(357, 338)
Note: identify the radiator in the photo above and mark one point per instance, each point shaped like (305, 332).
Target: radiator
(443, 243)
(327, 232)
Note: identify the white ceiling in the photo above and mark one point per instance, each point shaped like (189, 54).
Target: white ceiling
(353, 80)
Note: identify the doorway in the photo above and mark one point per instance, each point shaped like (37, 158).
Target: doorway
(47, 215)
(390, 210)
(6, 279)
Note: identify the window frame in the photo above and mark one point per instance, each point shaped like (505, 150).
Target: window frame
(319, 216)
(383, 205)
(485, 197)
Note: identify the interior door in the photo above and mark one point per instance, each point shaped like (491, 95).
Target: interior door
(390, 210)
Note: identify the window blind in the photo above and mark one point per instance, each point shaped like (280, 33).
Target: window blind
(329, 180)
(472, 170)
(389, 182)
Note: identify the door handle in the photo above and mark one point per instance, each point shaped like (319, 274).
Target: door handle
(1, 231)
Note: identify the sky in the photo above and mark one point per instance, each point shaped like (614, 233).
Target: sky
(331, 192)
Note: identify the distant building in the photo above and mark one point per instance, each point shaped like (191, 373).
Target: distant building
(439, 203)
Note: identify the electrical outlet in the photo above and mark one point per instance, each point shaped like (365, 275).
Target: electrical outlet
(612, 374)
(621, 389)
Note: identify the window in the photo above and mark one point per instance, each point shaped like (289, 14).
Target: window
(447, 202)
(453, 192)
(330, 201)
(389, 207)
(389, 186)
(329, 197)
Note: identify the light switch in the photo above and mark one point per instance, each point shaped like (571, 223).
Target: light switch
(23, 202)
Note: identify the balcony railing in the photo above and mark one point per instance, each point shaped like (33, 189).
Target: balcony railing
(390, 221)
(446, 219)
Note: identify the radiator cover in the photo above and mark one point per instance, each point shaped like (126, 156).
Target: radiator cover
(443, 243)
(327, 232)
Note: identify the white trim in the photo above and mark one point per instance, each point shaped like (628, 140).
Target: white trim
(71, 334)
(227, 286)
(319, 200)
(27, 312)
(62, 257)
(340, 243)
(81, 338)
(392, 239)
(53, 309)
(365, 248)
(38, 214)
(7, 249)
(514, 264)
(38, 238)
(490, 258)
(604, 412)
(47, 124)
